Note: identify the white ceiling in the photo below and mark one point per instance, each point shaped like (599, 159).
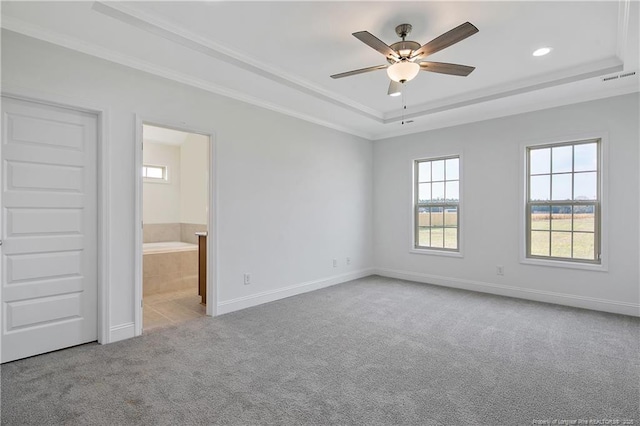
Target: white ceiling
(279, 55)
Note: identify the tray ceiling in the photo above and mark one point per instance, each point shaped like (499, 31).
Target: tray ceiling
(279, 55)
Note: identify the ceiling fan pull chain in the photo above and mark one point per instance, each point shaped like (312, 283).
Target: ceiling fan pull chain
(404, 107)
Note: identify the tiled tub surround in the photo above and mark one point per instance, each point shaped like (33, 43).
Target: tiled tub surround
(169, 266)
(188, 232)
(158, 232)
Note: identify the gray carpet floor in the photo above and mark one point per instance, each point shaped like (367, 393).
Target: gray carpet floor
(373, 351)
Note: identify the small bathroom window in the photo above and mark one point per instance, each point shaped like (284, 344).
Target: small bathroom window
(152, 173)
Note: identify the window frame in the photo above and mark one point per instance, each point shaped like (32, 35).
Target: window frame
(440, 251)
(600, 205)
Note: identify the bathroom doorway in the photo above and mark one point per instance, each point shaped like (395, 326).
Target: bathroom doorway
(174, 203)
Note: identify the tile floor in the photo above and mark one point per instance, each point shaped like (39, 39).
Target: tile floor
(161, 310)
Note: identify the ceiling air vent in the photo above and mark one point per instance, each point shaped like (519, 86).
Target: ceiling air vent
(617, 76)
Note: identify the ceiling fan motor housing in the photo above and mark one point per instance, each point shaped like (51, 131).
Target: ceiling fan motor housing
(404, 49)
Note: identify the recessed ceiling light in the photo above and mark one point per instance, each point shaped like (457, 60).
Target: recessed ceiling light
(542, 51)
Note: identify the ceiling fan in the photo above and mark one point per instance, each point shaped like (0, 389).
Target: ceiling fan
(405, 57)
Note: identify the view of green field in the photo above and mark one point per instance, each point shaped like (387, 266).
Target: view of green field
(555, 229)
(440, 237)
(553, 232)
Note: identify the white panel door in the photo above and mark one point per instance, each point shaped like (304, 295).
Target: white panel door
(49, 228)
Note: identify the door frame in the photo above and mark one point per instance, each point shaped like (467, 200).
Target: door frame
(212, 227)
(103, 199)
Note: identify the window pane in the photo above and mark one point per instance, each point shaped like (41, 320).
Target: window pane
(437, 181)
(539, 189)
(561, 187)
(437, 170)
(424, 171)
(153, 172)
(423, 236)
(585, 157)
(540, 217)
(437, 237)
(540, 161)
(437, 191)
(437, 216)
(561, 218)
(540, 243)
(451, 216)
(585, 220)
(451, 238)
(586, 186)
(564, 230)
(424, 192)
(562, 159)
(453, 168)
(583, 245)
(423, 216)
(452, 193)
(561, 244)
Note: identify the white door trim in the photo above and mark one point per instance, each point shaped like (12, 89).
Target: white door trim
(212, 239)
(103, 199)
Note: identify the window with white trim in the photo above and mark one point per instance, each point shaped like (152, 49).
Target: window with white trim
(563, 201)
(437, 202)
(154, 173)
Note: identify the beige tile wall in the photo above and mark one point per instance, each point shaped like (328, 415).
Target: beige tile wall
(188, 230)
(165, 272)
(158, 232)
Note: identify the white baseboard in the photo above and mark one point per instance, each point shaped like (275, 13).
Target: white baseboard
(616, 307)
(269, 296)
(121, 332)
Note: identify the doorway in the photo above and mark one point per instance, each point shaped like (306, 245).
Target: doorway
(175, 200)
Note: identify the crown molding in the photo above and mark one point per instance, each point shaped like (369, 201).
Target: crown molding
(520, 109)
(19, 26)
(568, 75)
(624, 7)
(205, 46)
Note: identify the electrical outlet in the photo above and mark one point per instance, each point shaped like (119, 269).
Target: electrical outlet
(348, 261)
(335, 263)
(247, 279)
(500, 270)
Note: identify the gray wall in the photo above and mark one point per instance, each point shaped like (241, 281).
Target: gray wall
(291, 195)
(492, 161)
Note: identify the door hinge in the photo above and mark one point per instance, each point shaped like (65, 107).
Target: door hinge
(141, 303)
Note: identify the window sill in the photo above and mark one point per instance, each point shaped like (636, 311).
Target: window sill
(436, 252)
(567, 265)
(152, 180)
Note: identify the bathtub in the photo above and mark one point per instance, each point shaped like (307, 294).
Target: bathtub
(167, 247)
(169, 266)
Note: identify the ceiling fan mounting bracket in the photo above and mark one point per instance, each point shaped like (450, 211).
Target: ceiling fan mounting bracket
(403, 30)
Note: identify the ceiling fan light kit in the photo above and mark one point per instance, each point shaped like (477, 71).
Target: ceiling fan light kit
(404, 56)
(403, 71)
